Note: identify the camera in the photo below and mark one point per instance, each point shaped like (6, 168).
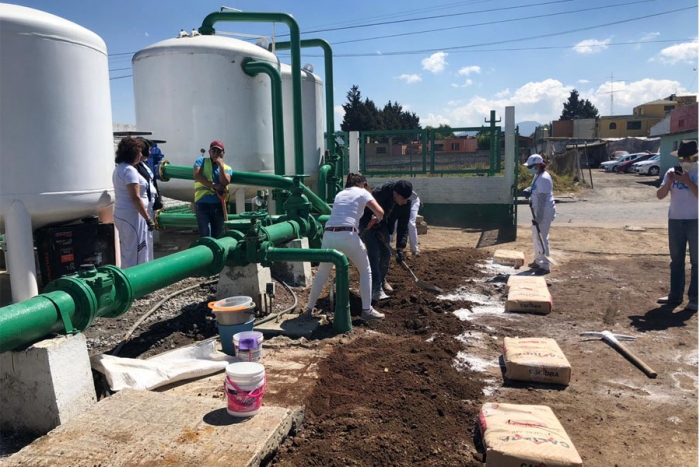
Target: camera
(678, 170)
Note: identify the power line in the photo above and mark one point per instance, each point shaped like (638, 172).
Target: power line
(456, 49)
(491, 22)
(120, 69)
(120, 77)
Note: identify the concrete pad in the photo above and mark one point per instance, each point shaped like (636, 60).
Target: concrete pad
(291, 325)
(155, 429)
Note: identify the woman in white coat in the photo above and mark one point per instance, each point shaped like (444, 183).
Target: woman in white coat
(130, 206)
(341, 234)
(542, 203)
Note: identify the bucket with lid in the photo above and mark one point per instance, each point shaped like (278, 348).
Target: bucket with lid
(227, 332)
(233, 310)
(248, 346)
(245, 385)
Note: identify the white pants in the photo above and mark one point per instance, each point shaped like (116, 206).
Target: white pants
(149, 238)
(412, 229)
(539, 254)
(350, 245)
(133, 237)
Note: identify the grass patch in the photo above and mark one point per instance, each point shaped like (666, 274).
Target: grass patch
(562, 183)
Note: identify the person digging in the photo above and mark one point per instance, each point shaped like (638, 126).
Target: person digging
(541, 194)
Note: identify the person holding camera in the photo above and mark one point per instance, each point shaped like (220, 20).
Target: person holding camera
(681, 183)
(211, 179)
(131, 217)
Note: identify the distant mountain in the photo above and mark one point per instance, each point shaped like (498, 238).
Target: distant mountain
(527, 127)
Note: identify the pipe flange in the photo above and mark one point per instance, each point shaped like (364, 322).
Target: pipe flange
(217, 250)
(235, 234)
(123, 291)
(161, 166)
(83, 297)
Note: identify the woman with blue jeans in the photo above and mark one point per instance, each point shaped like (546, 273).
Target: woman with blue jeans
(682, 183)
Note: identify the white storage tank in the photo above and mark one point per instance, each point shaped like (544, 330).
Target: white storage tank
(313, 121)
(190, 91)
(55, 130)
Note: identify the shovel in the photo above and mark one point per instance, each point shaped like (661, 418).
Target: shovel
(420, 283)
(539, 235)
(614, 341)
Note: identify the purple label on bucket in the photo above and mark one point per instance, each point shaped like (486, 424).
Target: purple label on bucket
(248, 344)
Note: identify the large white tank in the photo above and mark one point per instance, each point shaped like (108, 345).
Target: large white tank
(312, 115)
(56, 155)
(190, 91)
(56, 151)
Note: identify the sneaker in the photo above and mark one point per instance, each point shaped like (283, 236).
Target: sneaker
(371, 314)
(534, 265)
(387, 287)
(415, 254)
(379, 296)
(669, 301)
(542, 271)
(693, 306)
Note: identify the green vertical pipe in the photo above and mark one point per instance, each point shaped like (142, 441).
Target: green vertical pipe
(30, 320)
(149, 277)
(328, 74)
(252, 68)
(207, 28)
(341, 320)
(323, 181)
(180, 172)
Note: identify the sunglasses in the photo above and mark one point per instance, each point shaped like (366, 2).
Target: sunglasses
(217, 150)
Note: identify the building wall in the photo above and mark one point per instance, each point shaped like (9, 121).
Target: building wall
(584, 128)
(563, 129)
(670, 143)
(461, 144)
(655, 110)
(620, 130)
(684, 118)
(661, 128)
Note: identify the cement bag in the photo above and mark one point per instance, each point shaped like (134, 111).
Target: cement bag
(524, 435)
(525, 281)
(529, 299)
(536, 359)
(509, 258)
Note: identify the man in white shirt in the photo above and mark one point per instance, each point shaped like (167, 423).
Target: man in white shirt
(682, 183)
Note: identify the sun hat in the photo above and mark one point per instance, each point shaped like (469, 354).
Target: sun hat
(688, 149)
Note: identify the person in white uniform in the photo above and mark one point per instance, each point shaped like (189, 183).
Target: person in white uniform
(341, 234)
(541, 194)
(130, 207)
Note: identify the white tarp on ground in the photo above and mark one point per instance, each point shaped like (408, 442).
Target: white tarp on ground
(193, 361)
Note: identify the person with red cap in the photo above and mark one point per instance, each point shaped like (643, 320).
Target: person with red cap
(211, 179)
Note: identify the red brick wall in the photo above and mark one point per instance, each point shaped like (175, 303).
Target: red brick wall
(684, 118)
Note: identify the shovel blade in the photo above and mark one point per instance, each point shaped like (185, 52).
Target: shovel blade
(428, 287)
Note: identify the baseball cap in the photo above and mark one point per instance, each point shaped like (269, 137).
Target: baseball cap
(217, 144)
(533, 159)
(688, 149)
(403, 188)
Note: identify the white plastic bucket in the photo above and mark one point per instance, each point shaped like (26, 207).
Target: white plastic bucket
(233, 310)
(251, 343)
(244, 386)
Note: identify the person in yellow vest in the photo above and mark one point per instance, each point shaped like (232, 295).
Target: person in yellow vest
(211, 179)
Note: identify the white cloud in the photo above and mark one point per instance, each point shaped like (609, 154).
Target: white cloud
(543, 101)
(591, 46)
(649, 36)
(379, 52)
(435, 63)
(466, 83)
(686, 52)
(414, 78)
(502, 94)
(467, 70)
(339, 115)
(583, 81)
(146, 33)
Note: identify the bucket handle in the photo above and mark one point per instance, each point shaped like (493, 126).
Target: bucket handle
(212, 306)
(260, 390)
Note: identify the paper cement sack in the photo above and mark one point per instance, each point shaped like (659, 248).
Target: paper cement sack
(536, 359)
(509, 258)
(525, 435)
(529, 299)
(531, 281)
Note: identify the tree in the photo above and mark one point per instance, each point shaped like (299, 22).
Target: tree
(363, 115)
(575, 108)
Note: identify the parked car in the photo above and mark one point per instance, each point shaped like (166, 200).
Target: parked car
(609, 166)
(648, 167)
(626, 167)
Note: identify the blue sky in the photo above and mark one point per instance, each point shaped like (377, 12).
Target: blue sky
(530, 54)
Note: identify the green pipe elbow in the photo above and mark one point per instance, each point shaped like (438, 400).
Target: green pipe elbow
(323, 182)
(342, 321)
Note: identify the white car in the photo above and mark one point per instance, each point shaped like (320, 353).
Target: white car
(648, 167)
(609, 166)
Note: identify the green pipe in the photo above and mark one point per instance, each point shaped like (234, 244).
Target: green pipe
(180, 219)
(181, 172)
(323, 181)
(328, 71)
(207, 28)
(341, 321)
(206, 258)
(252, 68)
(283, 232)
(30, 320)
